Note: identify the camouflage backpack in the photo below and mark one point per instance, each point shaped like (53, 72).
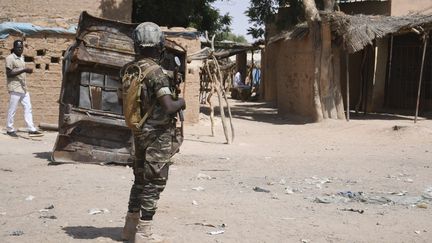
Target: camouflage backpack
(136, 104)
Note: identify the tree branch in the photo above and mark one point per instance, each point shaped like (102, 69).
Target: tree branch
(311, 11)
(329, 5)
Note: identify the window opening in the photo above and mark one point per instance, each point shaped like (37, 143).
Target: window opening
(28, 59)
(55, 59)
(40, 52)
(100, 92)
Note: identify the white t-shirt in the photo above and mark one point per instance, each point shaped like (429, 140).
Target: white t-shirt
(237, 80)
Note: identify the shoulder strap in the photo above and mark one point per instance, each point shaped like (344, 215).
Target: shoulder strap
(147, 114)
(149, 70)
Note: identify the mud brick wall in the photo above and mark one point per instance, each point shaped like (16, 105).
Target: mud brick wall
(44, 51)
(191, 91)
(191, 87)
(44, 55)
(289, 76)
(63, 12)
(404, 7)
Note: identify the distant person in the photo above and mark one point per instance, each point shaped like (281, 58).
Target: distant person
(237, 80)
(256, 80)
(240, 90)
(256, 73)
(17, 88)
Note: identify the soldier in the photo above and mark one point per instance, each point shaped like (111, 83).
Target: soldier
(157, 140)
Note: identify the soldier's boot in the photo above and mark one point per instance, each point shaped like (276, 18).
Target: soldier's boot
(129, 229)
(144, 233)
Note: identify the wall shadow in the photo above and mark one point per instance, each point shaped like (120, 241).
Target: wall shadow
(268, 113)
(257, 111)
(90, 232)
(383, 116)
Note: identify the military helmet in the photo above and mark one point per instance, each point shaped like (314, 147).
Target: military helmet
(148, 34)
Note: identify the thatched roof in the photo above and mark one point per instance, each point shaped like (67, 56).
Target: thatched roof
(206, 52)
(223, 50)
(358, 31)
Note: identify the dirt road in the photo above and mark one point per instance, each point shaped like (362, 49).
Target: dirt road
(280, 181)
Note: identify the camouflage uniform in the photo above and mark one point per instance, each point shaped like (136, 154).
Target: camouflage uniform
(155, 144)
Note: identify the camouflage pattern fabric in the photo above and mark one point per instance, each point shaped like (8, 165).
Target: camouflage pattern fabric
(153, 151)
(156, 81)
(154, 145)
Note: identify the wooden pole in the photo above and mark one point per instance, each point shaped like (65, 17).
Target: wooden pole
(212, 91)
(366, 83)
(48, 126)
(389, 71)
(218, 71)
(425, 41)
(347, 87)
(252, 68)
(215, 77)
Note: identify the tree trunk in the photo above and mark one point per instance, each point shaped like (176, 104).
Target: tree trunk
(326, 88)
(329, 5)
(313, 19)
(311, 11)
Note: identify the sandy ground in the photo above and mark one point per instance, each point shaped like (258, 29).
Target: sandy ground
(291, 165)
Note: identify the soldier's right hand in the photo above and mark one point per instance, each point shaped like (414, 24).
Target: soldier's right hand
(183, 103)
(28, 70)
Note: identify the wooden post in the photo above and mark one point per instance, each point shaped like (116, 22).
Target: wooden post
(347, 87)
(366, 83)
(48, 126)
(221, 94)
(215, 76)
(252, 68)
(389, 70)
(315, 29)
(425, 41)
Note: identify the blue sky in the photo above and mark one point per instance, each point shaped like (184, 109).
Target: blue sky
(236, 9)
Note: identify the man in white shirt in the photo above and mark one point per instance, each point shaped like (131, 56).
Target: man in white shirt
(17, 88)
(237, 80)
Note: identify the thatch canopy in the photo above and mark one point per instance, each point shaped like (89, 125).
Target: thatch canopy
(223, 50)
(358, 31)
